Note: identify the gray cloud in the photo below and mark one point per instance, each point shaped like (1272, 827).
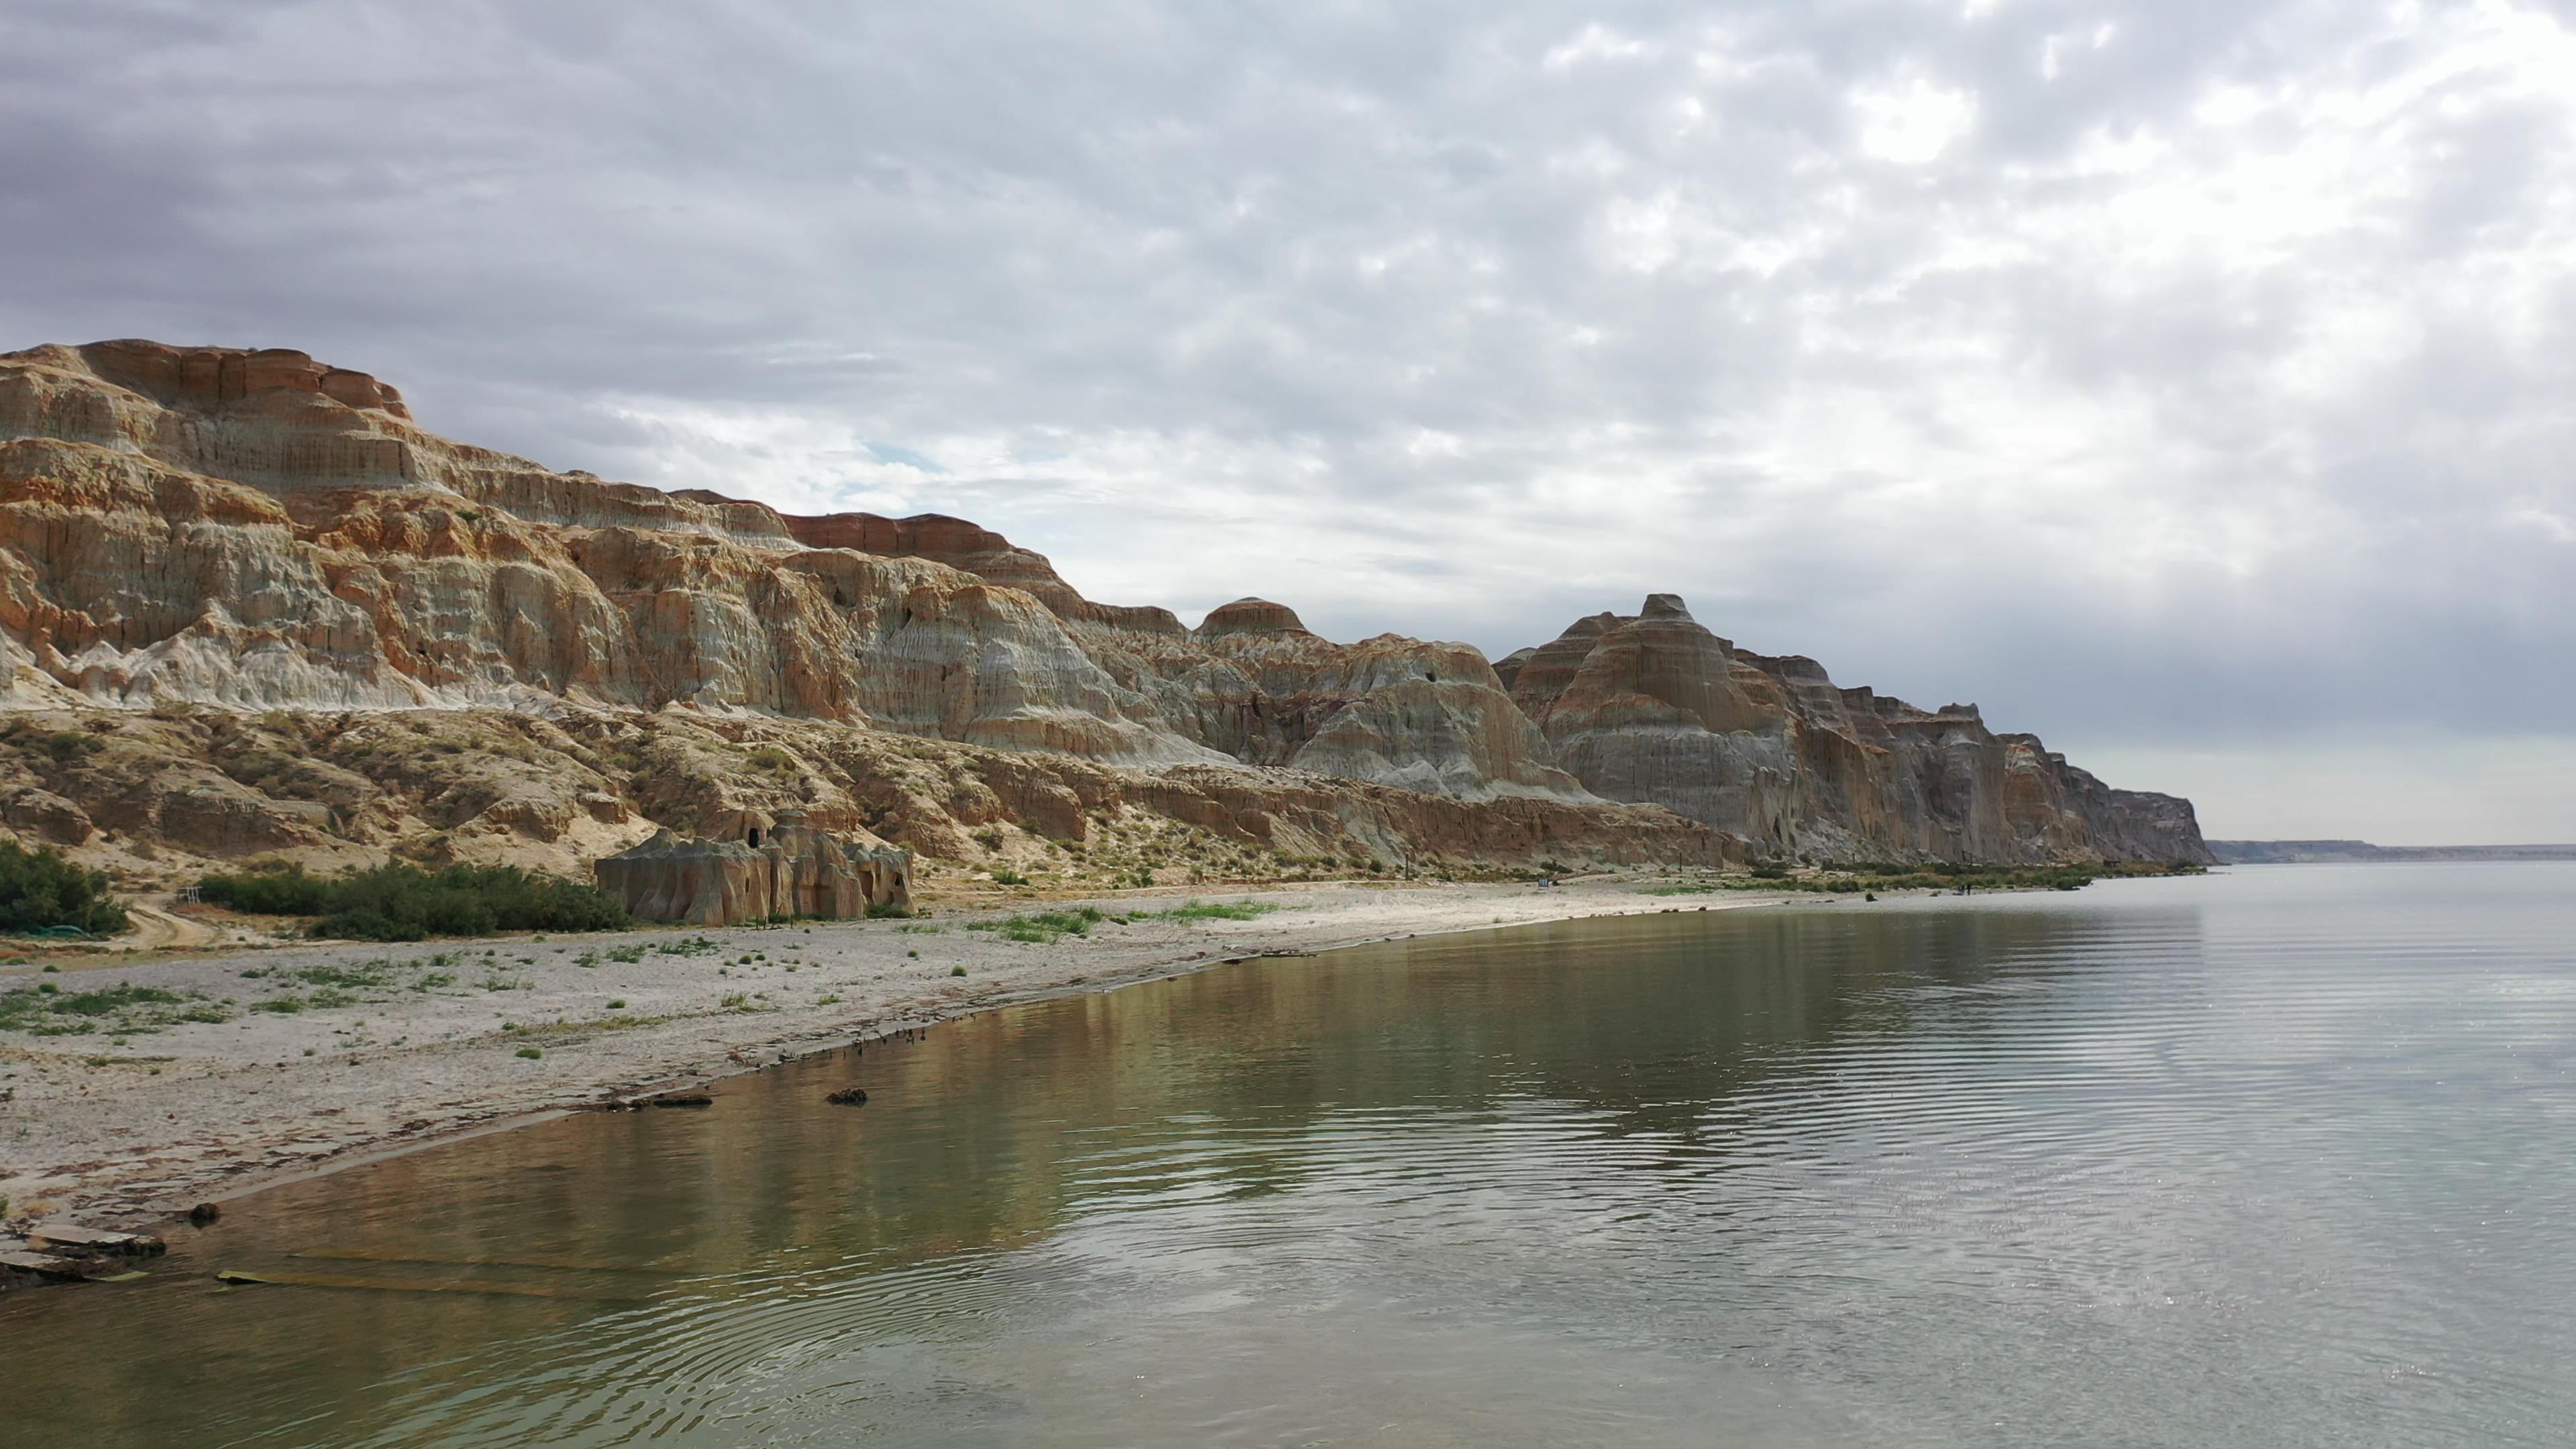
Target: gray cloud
(2158, 375)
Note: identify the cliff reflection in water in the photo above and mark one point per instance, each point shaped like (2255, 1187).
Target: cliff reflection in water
(625, 1272)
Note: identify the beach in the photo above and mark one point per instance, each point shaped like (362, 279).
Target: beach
(313, 1057)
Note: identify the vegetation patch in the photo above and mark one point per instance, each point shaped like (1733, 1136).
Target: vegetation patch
(125, 1009)
(1207, 911)
(403, 902)
(41, 891)
(277, 890)
(1044, 928)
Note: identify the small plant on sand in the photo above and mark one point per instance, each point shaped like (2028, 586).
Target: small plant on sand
(1208, 911)
(125, 1009)
(1044, 927)
(956, 970)
(532, 1053)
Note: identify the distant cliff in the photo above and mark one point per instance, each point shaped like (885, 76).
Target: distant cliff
(1654, 708)
(253, 531)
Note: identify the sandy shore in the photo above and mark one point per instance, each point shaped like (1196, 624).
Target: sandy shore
(398, 1046)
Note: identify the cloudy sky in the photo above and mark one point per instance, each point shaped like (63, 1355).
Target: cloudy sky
(2192, 382)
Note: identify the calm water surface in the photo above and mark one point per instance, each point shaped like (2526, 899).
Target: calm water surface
(2284, 1156)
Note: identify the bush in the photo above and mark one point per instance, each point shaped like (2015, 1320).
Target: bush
(276, 890)
(39, 889)
(407, 903)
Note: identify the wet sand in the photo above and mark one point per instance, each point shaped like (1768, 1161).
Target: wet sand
(398, 1046)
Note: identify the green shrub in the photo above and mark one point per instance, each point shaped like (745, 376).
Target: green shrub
(275, 890)
(404, 902)
(39, 890)
(407, 903)
(1004, 875)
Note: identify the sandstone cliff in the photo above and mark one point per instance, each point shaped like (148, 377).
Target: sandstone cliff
(195, 535)
(1654, 708)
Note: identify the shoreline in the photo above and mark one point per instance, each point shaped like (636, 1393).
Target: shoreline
(333, 1055)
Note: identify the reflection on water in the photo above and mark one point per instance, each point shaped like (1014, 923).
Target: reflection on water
(2277, 1158)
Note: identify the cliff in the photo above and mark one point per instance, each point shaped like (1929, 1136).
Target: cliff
(1654, 708)
(190, 536)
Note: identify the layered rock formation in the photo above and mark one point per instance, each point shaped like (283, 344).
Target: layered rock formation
(215, 529)
(777, 868)
(1655, 708)
(255, 530)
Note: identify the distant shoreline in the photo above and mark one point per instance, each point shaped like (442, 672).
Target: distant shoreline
(2318, 852)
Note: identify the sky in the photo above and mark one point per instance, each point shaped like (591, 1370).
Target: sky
(2190, 382)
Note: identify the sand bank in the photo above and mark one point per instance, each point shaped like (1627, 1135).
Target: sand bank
(330, 1054)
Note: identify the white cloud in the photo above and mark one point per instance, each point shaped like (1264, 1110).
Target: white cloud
(1913, 122)
(2161, 375)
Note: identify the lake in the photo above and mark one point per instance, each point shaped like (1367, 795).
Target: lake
(2279, 1156)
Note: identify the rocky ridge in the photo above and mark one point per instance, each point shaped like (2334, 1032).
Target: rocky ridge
(313, 628)
(1655, 708)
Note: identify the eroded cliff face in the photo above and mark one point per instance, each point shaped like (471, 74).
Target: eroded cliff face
(1654, 708)
(245, 532)
(257, 530)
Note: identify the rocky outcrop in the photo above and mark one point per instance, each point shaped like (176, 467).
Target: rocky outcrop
(1654, 708)
(254, 531)
(767, 869)
(163, 795)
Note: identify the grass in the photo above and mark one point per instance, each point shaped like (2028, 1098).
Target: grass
(403, 902)
(124, 1009)
(1044, 928)
(1208, 911)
